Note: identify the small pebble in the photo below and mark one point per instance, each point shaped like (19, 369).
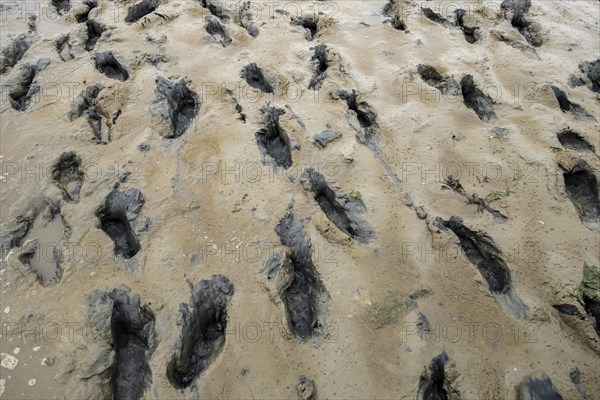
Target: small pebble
(31, 382)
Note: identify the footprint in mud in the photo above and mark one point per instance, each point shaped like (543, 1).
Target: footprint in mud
(217, 31)
(537, 386)
(483, 253)
(299, 285)
(141, 9)
(574, 141)
(15, 50)
(368, 130)
(589, 289)
(216, 10)
(531, 31)
(471, 33)
(85, 105)
(24, 86)
(203, 325)
(42, 250)
(254, 76)
(319, 65)
(445, 84)
(309, 23)
(107, 64)
(118, 219)
(476, 100)
(84, 38)
(339, 208)
(393, 9)
(241, 14)
(437, 18)
(273, 142)
(434, 384)
(94, 31)
(592, 71)
(62, 6)
(177, 104)
(244, 19)
(581, 185)
(68, 175)
(82, 13)
(573, 108)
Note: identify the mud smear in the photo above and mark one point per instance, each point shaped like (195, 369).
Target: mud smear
(218, 31)
(180, 105)
(68, 175)
(592, 71)
(531, 31)
(433, 384)
(62, 6)
(582, 188)
(107, 64)
(254, 76)
(86, 106)
(445, 84)
(476, 100)
(83, 17)
(203, 326)
(310, 23)
(118, 219)
(25, 86)
(471, 34)
(338, 207)
(362, 117)
(42, 250)
(141, 9)
(483, 253)
(573, 108)
(132, 330)
(273, 142)
(319, 65)
(303, 294)
(14, 51)
(437, 18)
(537, 387)
(455, 185)
(94, 31)
(573, 140)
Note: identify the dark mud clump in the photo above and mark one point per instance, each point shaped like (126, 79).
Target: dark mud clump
(203, 325)
(573, 140)
(437, 18)
(537, 387)
(254, 76)
(567, 106)
(568, 309)
(62, 6)
(85, 105)
(319, 65)
(132, 330)
(310, 23)
(94, 31)
(582, 188)
(324, 138)
(108, 65)
(68, 175)
(180, 105)
(445, 84)
(472, 34)
(141, 9)
(482, 252)
(118, 218)
(25, 86)
(303, 295)
(339, 208)
(433, 384)
(476, 100)
(273, 142)
(218, 31)
(14, 52)
(592, 71)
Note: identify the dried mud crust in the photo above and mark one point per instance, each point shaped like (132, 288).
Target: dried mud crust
(203, 325)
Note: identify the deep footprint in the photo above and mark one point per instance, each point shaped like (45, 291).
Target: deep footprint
(203, 326)
(68, 175)
(476, 100)
(107, 64)
(180, 105)
(531, 31)
(319, 65)
(26, 87)
(118, 218)
(14, 52)
(85, 106)
(94, 31)
(572, 140)
(471, 34)
(445, 84)
(310, 23)
(254, 76)
(83, 17)
(132, 330)
(582, 188)
(218, 31)
(437, 18)
(141, 9)
(273, 142)
(304, 296)
(537, 387)
(433, 384)
(339, 208)
(573, 108)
